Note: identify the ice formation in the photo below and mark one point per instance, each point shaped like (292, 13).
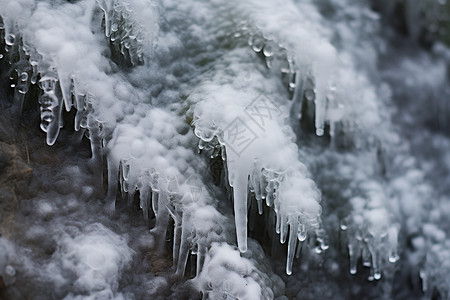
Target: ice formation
(228, 275)
(260, 155)
(285, 106)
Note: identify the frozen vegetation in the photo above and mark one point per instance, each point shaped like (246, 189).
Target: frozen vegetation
(209, 149)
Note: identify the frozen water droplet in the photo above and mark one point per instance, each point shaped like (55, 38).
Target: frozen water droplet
(344, 225)
(48, 84)
(291, 86)
(309, 94)
(257, 45)
(377, 276)
(22, 89)
(269, 62)
(393, 257)
(10, 39)
(1, 56)
(24, 76)
(268, 50)
(424, 277)
(10, 271)
(250, 41)
(353, 270)
(319, 131)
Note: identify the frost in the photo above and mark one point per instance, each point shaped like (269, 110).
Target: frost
(260, 155)
(96, 257)
(228, 275)
(302, 124)
(131, 26)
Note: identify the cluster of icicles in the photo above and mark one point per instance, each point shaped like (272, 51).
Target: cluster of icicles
(299, 82)
(172, 196)
(127, 35)
(168, 195)
(58, 94)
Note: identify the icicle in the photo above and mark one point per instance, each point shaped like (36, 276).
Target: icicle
(176, 234)
(283, 229)
(424, 277)
(162, 219)
(353, 251)
(81, 115)
(122, 182)
(51, 110)
(107, 13)
(260, 206)
(297, 98)
(262, 186)
(278, 223)
(371, 275)
(35, 72)
(155, 200)
(113, 174)
(320, 116)
(126, 170)
(270, 193)
(183, 254)
(366, 256)
(22, 86)
(255, 179)
(293, 229)
(19, 97)
(65, 83)
(202, 249)
(240, 209)
(144, 195)
(376, 263)
(393, 240)
(299, 250)
(302, 233)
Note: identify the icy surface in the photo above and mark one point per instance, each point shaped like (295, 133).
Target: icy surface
(318, 128)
